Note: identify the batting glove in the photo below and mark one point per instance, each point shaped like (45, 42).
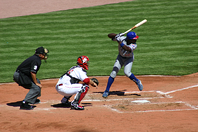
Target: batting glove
(118, 37)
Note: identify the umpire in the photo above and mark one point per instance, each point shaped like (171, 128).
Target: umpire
(25, 76)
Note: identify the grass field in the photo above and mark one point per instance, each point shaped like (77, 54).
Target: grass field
(168, 43)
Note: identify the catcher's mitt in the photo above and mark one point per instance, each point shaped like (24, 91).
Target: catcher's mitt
(95, 80)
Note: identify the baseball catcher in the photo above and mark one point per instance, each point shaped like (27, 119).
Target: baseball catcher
(70, 83)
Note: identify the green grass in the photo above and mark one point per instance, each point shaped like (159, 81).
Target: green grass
(168, 43)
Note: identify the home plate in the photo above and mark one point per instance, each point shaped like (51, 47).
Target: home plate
(140, 101)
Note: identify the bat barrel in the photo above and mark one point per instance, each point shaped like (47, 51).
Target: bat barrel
(137, 25)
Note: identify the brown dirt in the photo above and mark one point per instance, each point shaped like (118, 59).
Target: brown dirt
(173, 109)
(12, 8)
(172, 106)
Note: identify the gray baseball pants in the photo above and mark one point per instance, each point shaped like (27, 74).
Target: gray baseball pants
(34, 90)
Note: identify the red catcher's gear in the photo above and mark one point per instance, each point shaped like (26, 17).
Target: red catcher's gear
(82, 61)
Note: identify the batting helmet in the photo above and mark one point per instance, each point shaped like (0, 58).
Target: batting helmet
(132, 35)
(82, 61)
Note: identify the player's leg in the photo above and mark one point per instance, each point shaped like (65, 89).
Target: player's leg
(127, 70)
(65, 101)
(117, 66)
(67, 91)
(79, 96)
(31, 97)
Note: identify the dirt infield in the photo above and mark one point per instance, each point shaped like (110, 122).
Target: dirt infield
(167, 103)
(12, 8)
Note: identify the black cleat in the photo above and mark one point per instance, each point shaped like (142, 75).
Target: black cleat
(26, 106)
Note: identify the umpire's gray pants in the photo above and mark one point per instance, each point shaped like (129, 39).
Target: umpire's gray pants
(34, 90)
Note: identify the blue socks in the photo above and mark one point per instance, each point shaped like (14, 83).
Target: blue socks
(110, 81)
(132, 77)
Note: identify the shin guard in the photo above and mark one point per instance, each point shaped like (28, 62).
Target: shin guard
(81, 94)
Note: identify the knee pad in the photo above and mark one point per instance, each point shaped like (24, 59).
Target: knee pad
(113, 74)
(81, 94)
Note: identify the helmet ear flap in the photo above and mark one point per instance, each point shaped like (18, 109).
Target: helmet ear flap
(83, 62)
(79, 60)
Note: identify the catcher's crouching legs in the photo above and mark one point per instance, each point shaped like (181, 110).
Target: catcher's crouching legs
(79, 96)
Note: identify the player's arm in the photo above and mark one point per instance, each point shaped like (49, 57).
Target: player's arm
(125, 47)
(113, 36)
(33, 75)
(89, 81)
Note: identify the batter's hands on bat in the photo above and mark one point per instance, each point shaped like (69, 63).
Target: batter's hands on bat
(118, 39)
(118, 35)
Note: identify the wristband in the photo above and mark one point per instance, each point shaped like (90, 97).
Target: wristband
(121, 44)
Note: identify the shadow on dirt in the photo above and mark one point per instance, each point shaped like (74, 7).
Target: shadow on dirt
(119, 93)
(60, 105)
(15, 104)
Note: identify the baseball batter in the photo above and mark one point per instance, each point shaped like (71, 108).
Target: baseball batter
(69, 83)
(126, 46)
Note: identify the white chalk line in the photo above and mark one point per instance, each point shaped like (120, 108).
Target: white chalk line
(131, 92)
(181, 89)
(145, 111)
(166, 95)
(100, 100)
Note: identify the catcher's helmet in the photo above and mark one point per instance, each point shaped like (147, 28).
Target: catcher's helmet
(82, 61)
(132, 35)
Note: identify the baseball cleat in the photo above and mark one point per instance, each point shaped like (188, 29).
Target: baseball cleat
(26, 106)
(77, 107)
(139, 84)
(105, 94)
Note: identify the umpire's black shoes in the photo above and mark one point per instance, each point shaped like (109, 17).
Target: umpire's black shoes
(25, 106)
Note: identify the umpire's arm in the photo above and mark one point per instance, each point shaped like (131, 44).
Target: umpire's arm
(33, 75)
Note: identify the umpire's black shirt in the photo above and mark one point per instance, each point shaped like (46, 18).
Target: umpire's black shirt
(31, 64)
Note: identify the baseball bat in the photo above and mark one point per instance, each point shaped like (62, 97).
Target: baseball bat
(137, 25)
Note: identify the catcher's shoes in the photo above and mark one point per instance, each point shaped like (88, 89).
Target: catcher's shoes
(76, 107)
(139, 84)
(65, 101)
(105, 94)
(66, 104)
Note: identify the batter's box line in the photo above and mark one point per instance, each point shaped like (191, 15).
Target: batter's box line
(147, 111)
(166, 94)
(129, 92)
(100, 100)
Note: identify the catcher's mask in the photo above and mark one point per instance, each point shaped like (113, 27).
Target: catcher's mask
(82, 61)
(42, 50)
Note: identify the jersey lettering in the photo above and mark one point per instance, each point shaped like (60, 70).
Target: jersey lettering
(35, 67)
